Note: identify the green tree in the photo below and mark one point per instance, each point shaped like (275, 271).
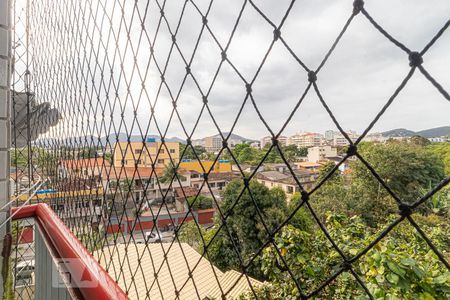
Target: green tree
(272, 157)
(244, 224)
(19, 157)
(325, 169)
(409, 170)
(202, 202)
(170, 174)
(192, 235)
(47, 162)
(290, 152)
(419, 140)
(87, 152)
(189, 152)
(245, 154)
(442, 150)
(127, 185)
(400, 266)
(406, 168)
(302, 219)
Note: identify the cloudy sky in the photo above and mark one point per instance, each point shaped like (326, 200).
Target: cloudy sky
(356, 81)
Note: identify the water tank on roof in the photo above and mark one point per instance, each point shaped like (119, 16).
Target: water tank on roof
(151, 140)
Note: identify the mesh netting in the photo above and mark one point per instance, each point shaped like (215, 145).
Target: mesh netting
(99, 77)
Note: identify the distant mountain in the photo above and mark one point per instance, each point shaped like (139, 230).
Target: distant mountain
(236, 137)
(123, 137)
(398, 132)
(428, 133)
(434, 132)
(90, 140)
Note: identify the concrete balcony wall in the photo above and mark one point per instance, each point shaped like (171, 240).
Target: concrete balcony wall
(5, 71)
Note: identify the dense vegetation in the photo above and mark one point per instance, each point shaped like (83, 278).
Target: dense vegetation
(354, 208)
(245, 154)
(202, 202)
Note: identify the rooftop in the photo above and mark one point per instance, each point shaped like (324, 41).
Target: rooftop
(181, 259)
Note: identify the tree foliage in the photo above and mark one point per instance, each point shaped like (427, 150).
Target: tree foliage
(189, 151)
(401, 266)
(419, 140)
(245, 154)
(354, 207)
(192, 234)
(202, 202)
(244, 225)
(442, 150)
(171, 174)
(406, 168)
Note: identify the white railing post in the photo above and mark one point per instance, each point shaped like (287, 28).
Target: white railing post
(5, 94)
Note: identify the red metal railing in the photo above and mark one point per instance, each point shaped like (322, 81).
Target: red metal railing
(68, 246)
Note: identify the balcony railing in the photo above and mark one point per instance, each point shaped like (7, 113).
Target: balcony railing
(61, 268)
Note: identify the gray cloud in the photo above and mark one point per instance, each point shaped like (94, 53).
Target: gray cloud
(356, 81)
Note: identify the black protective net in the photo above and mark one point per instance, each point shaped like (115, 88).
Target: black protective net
(93, 80)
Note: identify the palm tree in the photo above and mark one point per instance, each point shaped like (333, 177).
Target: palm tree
(170, 173)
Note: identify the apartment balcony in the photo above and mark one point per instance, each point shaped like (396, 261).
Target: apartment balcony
(54, 264)
(124, 175)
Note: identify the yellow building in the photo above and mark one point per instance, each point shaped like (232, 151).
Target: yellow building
(194, 165)
(143, 154)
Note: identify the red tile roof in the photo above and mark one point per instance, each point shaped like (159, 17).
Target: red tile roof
(122, 173)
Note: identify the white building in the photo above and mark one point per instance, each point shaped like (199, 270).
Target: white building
(436, 139)
(213, 143)
(267, 140)
(199, 142)
(329, 135)
(306, 140)
(255, 145)
(319, 153)
(340, 140)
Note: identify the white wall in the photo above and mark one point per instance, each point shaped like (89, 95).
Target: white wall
(5, 55)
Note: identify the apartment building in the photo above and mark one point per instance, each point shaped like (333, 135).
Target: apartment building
(267, 140)
(306, 139)
(286, 181)
(143, 154)
(329, 135)
(213, 143)
(319, 153)
(340, 140)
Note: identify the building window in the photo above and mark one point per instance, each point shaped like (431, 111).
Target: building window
(138, 162)
(290, 189)
(161, 150)
(160, 161)
(172, 150)
(138, 151)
